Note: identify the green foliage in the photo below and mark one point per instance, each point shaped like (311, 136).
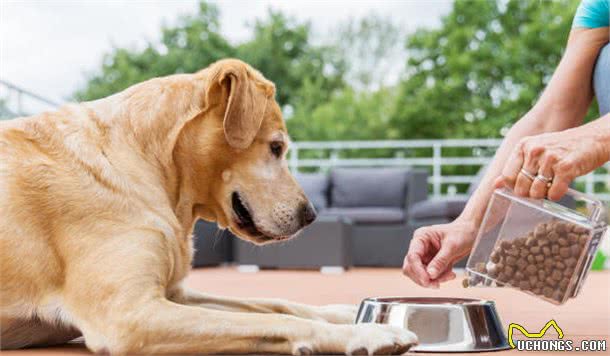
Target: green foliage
(473, 76)
(346, 115)
(281, 48)
(482, 69)
(193, 44)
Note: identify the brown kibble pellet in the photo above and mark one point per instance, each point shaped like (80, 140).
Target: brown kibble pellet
(541, 275)
(495, 257)
(550, 281)
(560, 265)
(519, 242)
(549, 263)
(564, 252)
(546, 251)
(524, 252)
(521, 263)
(531, 259)
(575, 250)
(535, 250)
(553, 236)
(561, 227)
(539, 258)
(505, 244)
(531, 270)
(555, 250)
(524, 285)
(547, 291)
(508, 271)
(563, 284)
(580, 229)
(530, 241)
(572, 238)
(568, 272)
(537, 290)
(557, 275)
(571, 262)
(557, 295)
(543, 242)
(513, 252)
(582, 241)
(562, 241)
(533, 280)
(465, 283)
(519, 275)
(540, 231)
(510, 260)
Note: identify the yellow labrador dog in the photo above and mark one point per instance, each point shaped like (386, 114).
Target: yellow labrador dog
(97, 203)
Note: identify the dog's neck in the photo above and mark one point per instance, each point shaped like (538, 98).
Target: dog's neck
(153, 119)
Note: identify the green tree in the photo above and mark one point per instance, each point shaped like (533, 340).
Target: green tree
(482, 69)
(191, 45)
(282, 49)
(348, 114)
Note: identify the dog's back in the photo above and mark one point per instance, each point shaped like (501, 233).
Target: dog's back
(50, 180)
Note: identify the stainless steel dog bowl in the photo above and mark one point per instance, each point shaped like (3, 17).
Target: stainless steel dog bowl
(441, 324)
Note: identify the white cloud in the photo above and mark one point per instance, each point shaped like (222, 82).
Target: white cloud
(49, 46)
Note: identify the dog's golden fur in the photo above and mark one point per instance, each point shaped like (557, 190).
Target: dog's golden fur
(98, 201)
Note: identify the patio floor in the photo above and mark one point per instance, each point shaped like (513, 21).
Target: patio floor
(587, 317)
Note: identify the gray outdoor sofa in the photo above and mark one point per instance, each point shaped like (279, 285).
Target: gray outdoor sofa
(366, 207)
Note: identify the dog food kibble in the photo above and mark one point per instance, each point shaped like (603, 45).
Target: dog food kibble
(542, 262)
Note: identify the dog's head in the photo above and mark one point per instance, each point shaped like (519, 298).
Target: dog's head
(237, 150)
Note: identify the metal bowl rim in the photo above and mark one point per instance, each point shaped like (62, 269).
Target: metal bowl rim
(432, 301)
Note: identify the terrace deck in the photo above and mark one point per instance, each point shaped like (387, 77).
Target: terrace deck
(587, 317)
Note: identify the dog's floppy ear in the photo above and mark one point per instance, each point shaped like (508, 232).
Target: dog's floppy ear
(248, 97)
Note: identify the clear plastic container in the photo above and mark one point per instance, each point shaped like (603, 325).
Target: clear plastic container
(536, 246)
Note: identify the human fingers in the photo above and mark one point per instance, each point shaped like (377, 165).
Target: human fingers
(413, 266)
(513, 166)
(442, 259)
(544, 178)
(528, 172)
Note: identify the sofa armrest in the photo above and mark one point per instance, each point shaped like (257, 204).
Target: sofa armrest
(417, 187)
(445, 208)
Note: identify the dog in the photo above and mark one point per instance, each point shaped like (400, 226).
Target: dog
(98, 201)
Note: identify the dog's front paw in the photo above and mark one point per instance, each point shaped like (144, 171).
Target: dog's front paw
(338, 313)
(377, 339)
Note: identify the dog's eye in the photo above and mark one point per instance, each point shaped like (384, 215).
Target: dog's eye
(276, 148)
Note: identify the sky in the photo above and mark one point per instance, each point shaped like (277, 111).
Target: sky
(49, 47)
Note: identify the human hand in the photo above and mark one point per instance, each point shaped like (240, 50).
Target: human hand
(545, 165)
(434, 249)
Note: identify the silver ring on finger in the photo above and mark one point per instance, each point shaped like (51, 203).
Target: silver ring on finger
(528, 174)
(547, 181)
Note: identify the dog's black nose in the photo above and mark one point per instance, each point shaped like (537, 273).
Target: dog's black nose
(308, 214)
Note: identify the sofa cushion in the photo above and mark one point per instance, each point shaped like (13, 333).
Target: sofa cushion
(315, 186)
(368, 215)
(449, 208)
(369, 187)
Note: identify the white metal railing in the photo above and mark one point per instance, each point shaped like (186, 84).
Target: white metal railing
(328, 154)
(16, 101)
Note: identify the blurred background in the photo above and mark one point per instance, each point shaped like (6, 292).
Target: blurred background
(432, 85)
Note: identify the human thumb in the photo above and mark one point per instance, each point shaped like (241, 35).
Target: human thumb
(441, 261)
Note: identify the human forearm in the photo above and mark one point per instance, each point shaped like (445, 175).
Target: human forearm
(474, 210)
(569, 92)
(563, 105)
